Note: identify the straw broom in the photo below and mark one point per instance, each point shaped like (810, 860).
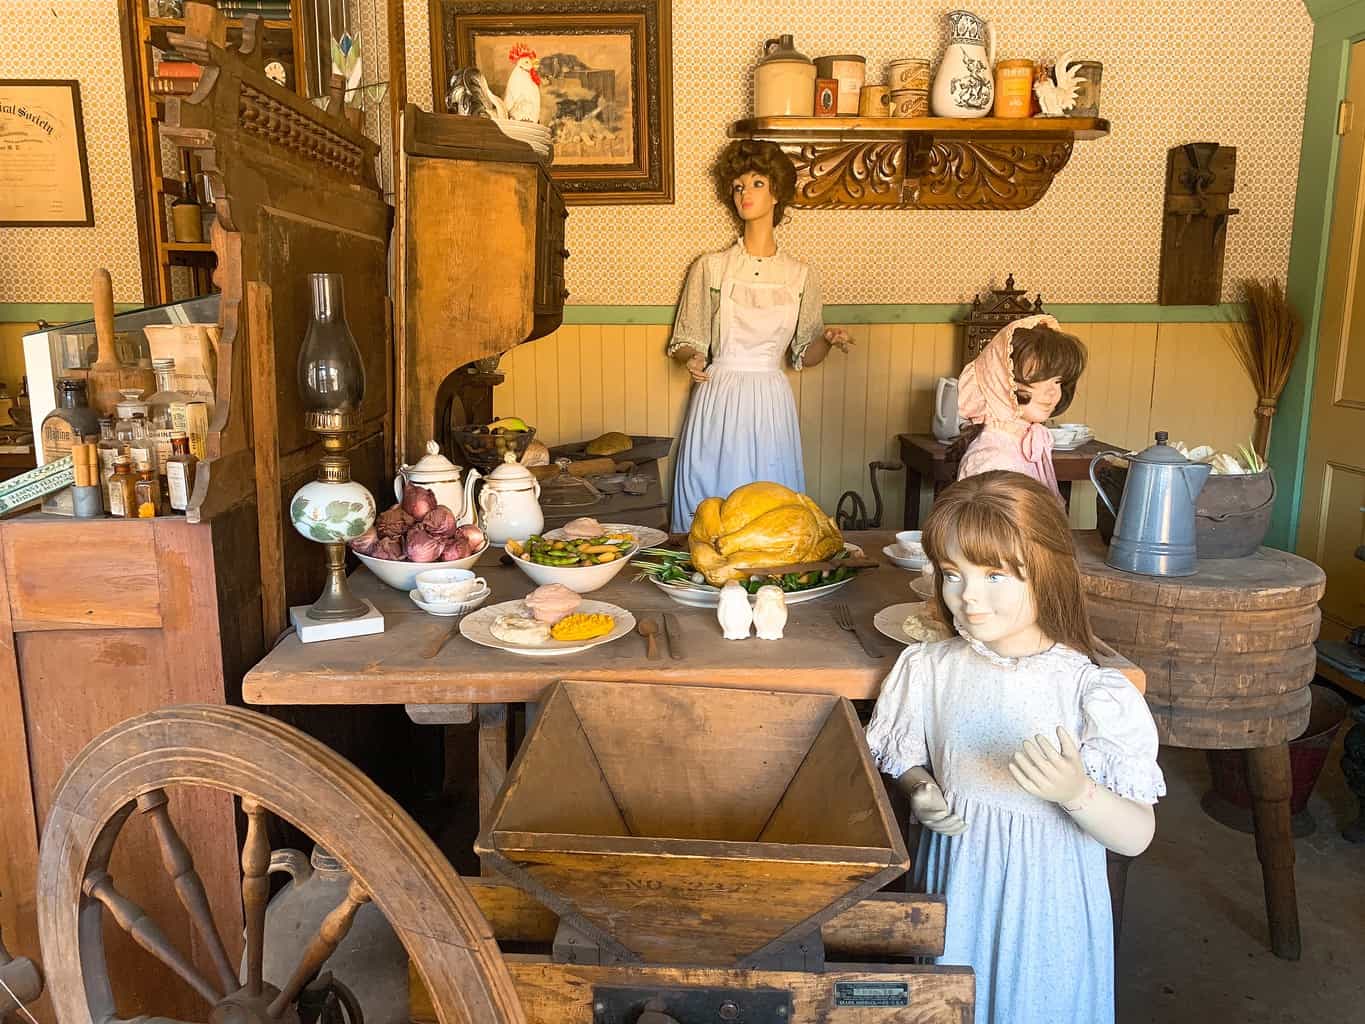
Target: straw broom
(1265, 344)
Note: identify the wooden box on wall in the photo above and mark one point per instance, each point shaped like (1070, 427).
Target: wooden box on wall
(483, 257)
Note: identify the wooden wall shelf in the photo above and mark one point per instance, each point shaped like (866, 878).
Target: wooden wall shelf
(923, 163)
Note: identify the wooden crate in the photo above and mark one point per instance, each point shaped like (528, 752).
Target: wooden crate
(695, 825)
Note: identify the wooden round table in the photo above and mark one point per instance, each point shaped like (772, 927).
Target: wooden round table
(1229, 656)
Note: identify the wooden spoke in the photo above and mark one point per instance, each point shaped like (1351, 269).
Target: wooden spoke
(332, 930)
(255, 891)
(188, 885)
(145, 932)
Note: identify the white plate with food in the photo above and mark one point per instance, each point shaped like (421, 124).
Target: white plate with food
(707, 596)
(645, 536)
(894, 553)
(891, 622)
(520, 633)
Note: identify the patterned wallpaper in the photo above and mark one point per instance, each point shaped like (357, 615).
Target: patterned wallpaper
(1224, 70)
(74, 39)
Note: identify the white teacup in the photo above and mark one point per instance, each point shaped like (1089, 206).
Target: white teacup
(449, 586)
(910, 543)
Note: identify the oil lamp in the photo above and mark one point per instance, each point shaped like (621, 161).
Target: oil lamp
(332, 509)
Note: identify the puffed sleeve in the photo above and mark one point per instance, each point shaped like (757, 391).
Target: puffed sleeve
(810, 321)
(692, 325)
(896, 733)
(1118, 739)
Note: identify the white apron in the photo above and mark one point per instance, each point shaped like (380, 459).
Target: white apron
(741, 424)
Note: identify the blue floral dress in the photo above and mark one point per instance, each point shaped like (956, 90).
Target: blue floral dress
(1027, 890)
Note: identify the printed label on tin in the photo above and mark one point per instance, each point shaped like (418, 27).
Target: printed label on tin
(871, 993)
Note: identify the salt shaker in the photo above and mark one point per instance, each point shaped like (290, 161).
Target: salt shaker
(770, 612)
(733, 612)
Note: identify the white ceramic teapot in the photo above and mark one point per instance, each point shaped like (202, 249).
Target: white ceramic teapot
(442, 477)
(510, 503)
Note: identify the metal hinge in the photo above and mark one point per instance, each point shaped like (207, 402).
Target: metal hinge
(1345, 113)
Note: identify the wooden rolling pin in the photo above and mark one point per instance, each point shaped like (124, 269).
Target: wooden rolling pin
(108, 377)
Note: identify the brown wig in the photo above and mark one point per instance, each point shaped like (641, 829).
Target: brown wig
(1037, 354)
(1010, 521)
(766, 158)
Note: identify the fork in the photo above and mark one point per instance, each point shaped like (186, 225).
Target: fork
(843, 618)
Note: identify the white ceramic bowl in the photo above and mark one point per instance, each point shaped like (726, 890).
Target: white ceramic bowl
(581, 579)
(403, 575)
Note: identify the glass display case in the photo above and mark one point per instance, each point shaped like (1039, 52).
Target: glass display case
(69, 350)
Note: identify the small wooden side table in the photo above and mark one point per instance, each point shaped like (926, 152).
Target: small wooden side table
(1229, 655)
(928, 469)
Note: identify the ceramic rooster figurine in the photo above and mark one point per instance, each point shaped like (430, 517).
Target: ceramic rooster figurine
(522, 96)
(1056, 99)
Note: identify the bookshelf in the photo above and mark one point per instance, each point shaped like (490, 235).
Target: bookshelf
(174, 268)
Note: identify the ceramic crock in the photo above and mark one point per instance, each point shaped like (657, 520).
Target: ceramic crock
(784, 81)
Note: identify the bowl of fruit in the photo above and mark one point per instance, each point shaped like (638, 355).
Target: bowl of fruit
(415, 536)
(581, 564)
(486, 447)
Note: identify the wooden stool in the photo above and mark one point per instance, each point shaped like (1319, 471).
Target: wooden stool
(1229, 656)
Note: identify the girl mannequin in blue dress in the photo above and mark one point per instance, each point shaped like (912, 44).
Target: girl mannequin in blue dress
(744, 312)
(1022, 758)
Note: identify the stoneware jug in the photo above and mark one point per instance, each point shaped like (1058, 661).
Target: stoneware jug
(947, 423)
(510, 502)
(965, 83)
(442, 477)
(369, 961)
(1154, 523)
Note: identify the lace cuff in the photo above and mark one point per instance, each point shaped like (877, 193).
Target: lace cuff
(1128, 777)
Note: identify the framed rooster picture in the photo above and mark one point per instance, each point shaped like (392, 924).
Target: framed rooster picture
(596, 73)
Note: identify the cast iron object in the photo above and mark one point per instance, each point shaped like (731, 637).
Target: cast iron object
(854, 516)
(622, 1005)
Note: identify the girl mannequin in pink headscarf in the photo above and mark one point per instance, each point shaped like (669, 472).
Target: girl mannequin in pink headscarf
(1026, 374)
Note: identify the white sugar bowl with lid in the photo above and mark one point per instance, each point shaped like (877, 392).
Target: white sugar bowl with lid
(510, 503)
(442, 477)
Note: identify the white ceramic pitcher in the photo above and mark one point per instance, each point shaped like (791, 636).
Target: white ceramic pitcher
(947, 423)
(965, 83)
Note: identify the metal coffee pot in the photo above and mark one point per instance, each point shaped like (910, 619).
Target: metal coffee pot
(1154, 522)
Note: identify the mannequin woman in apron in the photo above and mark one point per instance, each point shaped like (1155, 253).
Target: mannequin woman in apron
(744, 311)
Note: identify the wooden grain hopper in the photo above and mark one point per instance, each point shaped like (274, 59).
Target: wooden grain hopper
(691, 825)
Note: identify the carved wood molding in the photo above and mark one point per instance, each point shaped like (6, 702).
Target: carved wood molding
(277, 122)
(923, 163)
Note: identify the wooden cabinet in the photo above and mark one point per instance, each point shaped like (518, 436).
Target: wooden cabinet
(482, 268)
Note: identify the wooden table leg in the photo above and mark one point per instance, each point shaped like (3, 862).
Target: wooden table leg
(1064, 486)
(1269, 781)
(492, 761)
(914, 482)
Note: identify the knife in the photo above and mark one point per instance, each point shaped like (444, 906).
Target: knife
(674, 633)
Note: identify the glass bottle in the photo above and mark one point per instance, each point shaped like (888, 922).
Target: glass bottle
(108, 451)
(130, 429)
(147, 492)
(186, 220)
(180, 470)
(331, 372)
(70, 422)
(121, 485)
(161, 410)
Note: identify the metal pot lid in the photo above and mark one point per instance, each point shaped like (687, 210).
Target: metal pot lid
(1161, 453)
(433, 467)
(510, 476)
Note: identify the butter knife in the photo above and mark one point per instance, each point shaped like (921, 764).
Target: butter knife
(673, 631)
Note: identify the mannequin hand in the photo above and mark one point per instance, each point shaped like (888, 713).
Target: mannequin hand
(1048, 773)
(696, 366)
(838, 338)
(931, 810)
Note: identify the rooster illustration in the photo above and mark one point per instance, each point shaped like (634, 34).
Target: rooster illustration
(522, 96)
(1056, 99)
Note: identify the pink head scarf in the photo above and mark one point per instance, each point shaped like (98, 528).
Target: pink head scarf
(985, 391)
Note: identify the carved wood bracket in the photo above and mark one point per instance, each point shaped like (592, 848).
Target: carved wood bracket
(862, 164)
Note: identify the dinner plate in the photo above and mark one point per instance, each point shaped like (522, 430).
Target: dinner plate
(645, 536)
(704, 596)
(477, 627)
(890, 622)
(913, 564)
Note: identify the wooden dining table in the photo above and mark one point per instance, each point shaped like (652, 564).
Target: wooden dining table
(465, 681)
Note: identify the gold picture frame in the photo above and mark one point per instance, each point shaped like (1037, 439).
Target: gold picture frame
(44, 170)
(606, 91)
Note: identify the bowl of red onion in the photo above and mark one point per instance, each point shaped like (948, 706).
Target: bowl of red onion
(415, 536)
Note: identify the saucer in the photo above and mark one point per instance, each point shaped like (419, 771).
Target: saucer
(452, 608)
(905, 561)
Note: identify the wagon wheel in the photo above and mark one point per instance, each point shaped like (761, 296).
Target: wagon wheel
(271, 767)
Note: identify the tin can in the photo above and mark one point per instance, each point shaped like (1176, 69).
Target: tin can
(872, 101)
(849, 72)
(907, 73)
(826, 97)
(1013, 88)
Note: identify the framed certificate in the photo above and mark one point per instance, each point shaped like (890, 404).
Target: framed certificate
(44, 173)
